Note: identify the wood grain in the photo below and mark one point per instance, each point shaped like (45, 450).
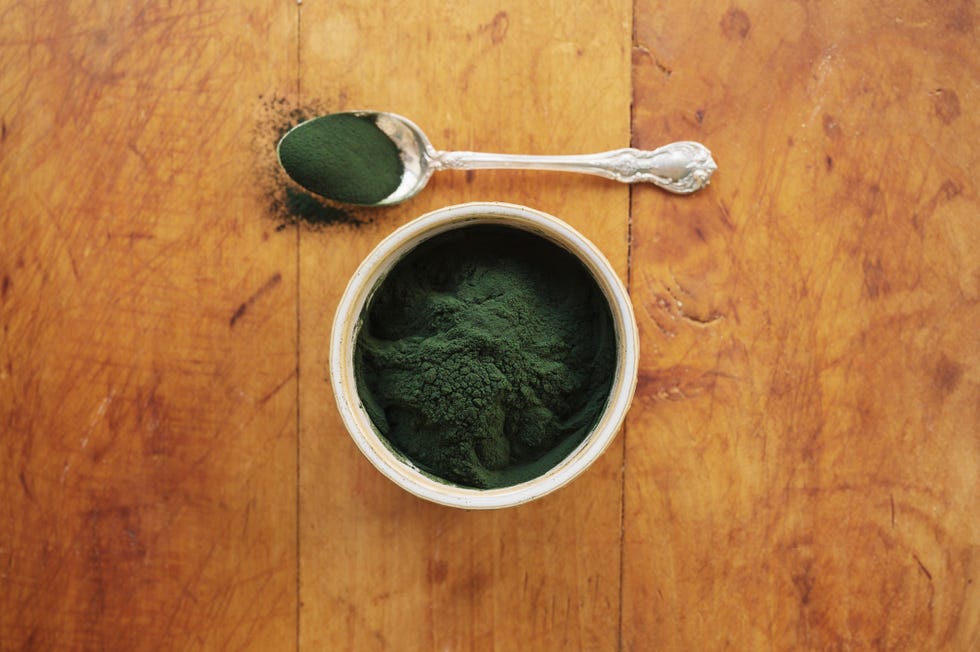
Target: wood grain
(381, 569)
(802, 460)
(799, 469)
(148, 346)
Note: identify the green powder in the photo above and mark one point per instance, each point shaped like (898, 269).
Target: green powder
(344, 157)
(486, 355)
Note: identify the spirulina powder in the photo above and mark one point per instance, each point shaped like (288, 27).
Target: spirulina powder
(345, 157)
(486, 355)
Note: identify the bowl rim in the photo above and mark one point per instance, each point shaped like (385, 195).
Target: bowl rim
(372, 271)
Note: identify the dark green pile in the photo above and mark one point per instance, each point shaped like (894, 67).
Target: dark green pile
(343, 157)
(486, 355)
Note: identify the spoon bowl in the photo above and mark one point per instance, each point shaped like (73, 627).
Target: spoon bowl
(415, 150)
(681, 167)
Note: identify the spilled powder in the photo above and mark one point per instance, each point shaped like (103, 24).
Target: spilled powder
(288, 203)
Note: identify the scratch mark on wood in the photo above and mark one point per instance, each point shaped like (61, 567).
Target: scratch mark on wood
(703, 321)
(946, 104)
(23, 483)
(140, 155)
(248, 516)
(675, 306)
(677, 283)
(804, 583)
(675, 383)
(245, 305)
(663, 329)
(497, 27)
(137, 235)
(922, 567)
(875, 279)
(949, 189)
(275, 390)
(641, 50)
(726, 215)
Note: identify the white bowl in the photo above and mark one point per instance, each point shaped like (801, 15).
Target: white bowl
(369, 276)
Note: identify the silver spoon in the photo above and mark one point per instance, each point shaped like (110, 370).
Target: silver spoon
(682, 167)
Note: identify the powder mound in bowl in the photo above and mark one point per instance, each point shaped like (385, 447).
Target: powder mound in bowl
(486, 355)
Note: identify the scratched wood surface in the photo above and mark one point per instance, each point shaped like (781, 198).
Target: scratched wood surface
(801, 462)
(148, 344)
(799, 469)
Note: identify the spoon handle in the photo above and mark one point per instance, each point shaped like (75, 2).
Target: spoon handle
(682, 167)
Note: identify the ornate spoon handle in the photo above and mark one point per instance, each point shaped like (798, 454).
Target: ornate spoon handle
(682, 167)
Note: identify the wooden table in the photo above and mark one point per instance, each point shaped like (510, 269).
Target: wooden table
(799, 469)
